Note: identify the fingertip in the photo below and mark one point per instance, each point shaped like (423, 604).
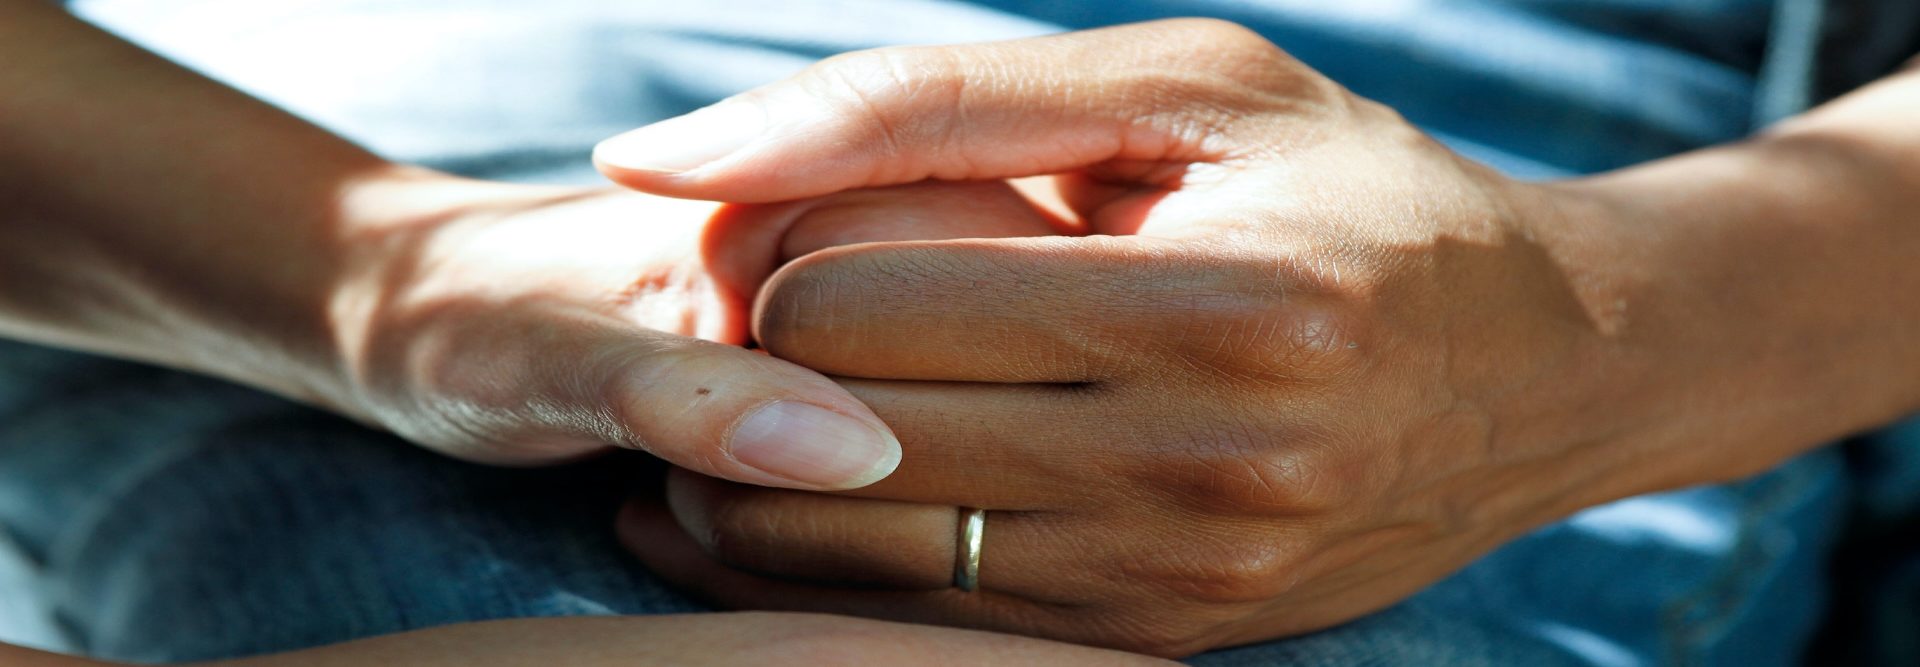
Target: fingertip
(644, 524)
(687, 142)
(629, 177)
(746, 179)
(815, 447)
(735, 414)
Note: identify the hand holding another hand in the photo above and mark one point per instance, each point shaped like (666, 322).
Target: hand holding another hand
(1308, 361)
(531, 325)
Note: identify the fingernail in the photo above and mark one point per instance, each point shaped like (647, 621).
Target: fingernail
(814, 446)
(683, 143)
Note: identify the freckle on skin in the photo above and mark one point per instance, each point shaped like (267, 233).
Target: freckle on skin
(703, 391)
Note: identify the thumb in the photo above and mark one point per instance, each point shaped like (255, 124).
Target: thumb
(535, 385)
(729, 412)
(1163, 93)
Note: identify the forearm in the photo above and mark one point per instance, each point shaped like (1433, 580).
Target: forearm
(14, 656)
(716, 640)
(1777, 276)
(151, 213)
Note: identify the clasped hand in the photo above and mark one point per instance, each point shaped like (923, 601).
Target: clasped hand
(1297, 361)
(1226, 352)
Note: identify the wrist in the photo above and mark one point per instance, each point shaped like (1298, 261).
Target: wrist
(1755, 288)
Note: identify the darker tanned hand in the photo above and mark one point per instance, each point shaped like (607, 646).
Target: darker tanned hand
(1305, 363)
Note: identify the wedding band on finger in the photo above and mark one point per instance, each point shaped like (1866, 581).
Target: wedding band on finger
(966, 562)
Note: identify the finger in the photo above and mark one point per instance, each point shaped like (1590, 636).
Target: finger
(745, 243)
(1065, 310)
(541, 382)
(917, 212)
(975, 311)
(1179, 91)
(999, 446)
(837, 540)
(749, 417)
(648, 530)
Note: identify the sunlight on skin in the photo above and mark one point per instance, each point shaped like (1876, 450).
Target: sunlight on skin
(1324, 362)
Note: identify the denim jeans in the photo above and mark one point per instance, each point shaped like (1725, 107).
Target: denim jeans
(152, 515)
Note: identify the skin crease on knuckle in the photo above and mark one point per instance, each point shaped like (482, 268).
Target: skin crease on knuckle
(1270, 474)
(890, 90)
(1229, 566)
(445, 398)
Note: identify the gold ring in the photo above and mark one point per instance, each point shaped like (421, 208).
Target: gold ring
(966, 562)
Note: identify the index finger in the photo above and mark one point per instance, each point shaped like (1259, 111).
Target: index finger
(1057, 310)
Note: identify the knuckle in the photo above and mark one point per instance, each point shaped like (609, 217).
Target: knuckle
(1223, 36)
(1249, 325)
(1310, 343)
(1309, 479)
(878, 69)
(1219, 574)
(1241, 54)
(735, 529)
(435, 358)
(516, 407)
(889, 91)
(1318, 320)
(1228, 66)
(1241, 471)
(1263, 343)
